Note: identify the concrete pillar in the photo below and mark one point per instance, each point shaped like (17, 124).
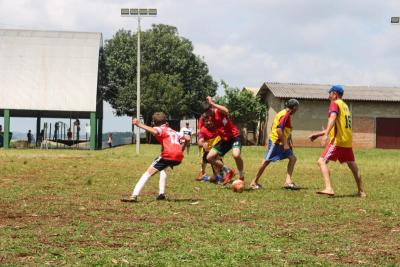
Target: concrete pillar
(93, 130)
(6, 136)
(37, 129)
(100, 133)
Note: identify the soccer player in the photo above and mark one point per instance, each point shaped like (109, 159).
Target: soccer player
(339, 146)
(230, 139)
(207, 138)
(280, 145)
(171, 154)
(188, 131)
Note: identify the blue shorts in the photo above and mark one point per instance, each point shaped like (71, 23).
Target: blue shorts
(276, 152)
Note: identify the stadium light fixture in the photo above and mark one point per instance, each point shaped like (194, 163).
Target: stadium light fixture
(139, 13)
(395, 20)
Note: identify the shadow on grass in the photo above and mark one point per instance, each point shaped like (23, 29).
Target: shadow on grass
(278, 189)
(184, 199)
(345, 196)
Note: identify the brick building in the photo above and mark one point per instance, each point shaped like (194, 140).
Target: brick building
(375, 112)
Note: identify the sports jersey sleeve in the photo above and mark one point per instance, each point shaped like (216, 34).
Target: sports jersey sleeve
(201, 135)
(333, 108)
(284, 121)
(158, 130)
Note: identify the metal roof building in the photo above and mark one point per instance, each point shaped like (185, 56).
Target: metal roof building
(375, 111)
(50, 74)
(319, 91)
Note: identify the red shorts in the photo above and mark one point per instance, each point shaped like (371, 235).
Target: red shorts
(333, 152)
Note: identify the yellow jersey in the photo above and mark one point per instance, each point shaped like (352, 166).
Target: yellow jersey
(282, 120)
(341, 133)
(210, 136)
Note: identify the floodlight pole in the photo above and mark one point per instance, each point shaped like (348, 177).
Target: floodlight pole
(138, 12)
(138, 88)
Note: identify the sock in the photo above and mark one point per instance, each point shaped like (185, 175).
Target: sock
(226, 169)
(142, 181)
(241, 174)
(163, 180)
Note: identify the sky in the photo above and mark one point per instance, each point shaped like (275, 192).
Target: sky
(243, 42)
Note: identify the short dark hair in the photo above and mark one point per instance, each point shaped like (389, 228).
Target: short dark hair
(205, 106)
(291, 103)
(159, 118)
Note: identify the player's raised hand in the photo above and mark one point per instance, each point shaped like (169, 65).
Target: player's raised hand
(135, 121)
(210, 100)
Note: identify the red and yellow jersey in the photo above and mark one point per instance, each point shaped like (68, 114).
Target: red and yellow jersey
(283, 121)
(169, 140)
(341, 133)
(224, 125)
(210, 136)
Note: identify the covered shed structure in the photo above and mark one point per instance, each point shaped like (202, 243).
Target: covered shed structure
(50, 74)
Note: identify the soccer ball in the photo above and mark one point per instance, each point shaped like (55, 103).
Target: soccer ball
(238, 186)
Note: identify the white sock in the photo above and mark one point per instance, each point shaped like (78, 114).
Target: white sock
(142, 181)
(163, 180)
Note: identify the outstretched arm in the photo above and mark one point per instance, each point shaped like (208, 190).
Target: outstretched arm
(331, 123)
(151, 130)
(221, 108)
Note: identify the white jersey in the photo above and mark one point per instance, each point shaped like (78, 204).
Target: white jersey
(187, 131)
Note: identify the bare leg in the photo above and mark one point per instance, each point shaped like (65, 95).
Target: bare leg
(357, 176)
(239, 161)
(203, 166)
(215, 160)
(327, 179)
(187, 147)
(260, 171)
(290, 168)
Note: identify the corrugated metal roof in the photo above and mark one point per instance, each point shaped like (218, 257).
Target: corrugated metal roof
(320, 91)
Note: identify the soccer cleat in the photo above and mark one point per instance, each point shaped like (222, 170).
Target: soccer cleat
(228, 177)
(205, 178)
(291, 186)
(130, 199)
(255, 186)
(161, 197)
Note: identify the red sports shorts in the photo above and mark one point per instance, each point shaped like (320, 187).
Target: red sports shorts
(333, 152)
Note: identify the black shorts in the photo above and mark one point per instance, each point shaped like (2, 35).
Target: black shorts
(160, 164)
(224, 146)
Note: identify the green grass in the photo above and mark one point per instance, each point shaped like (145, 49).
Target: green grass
(62, 207)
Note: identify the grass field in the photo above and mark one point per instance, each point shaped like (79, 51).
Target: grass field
(63, 208)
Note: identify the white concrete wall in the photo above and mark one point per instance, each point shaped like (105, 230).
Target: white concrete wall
(42, 70)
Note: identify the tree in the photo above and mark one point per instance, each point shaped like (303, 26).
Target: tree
(173, 78)
(245, 109)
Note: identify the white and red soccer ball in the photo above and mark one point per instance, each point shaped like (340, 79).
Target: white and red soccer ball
(238, 186)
